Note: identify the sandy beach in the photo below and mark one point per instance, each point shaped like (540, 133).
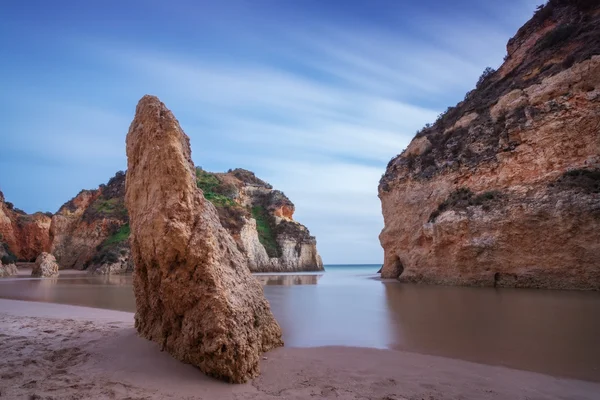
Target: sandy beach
(52, 351)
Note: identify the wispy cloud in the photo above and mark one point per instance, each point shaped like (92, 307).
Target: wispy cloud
(316, 105)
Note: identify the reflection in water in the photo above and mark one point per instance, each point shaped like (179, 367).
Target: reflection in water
(553, 332)
(288, 280)
(111, 292)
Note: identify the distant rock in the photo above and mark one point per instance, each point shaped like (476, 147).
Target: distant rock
(91, 230)
(121, 265)
(194, 293)
(7, 270)
(84, 229)
(45, 266)
(260, 219)
(23, 235)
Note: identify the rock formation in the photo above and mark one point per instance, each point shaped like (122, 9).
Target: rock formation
(23, 235)
(91, 231)
(260, 220)
(194, 293)
(7, 270)
(45, 266)
(87, 231)
(504, 188)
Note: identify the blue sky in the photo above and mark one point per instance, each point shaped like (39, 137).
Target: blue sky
(313, 96)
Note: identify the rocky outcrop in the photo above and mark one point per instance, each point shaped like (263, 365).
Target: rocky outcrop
(24, 235)
(82, 227)
(260, 219)
(45, 266)
(504, 188)
(7, 270)
(194, 293)
(91, 230)
(120, 263)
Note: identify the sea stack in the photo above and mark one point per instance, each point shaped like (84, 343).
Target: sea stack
(194, 293)
(504, 188)
(45, 266)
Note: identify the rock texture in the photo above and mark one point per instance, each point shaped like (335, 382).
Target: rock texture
(85, 230)
(504, 188)
(7, 270)
(45, 266)
(91, 230)
(23, 235)
(194, 293)
(260, 219)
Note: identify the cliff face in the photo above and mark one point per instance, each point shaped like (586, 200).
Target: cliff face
(22, 235)
(91, 231)
(260, 219)
(504, 188)
(87, 230)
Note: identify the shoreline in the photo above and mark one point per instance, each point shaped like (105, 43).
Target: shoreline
(56, 351)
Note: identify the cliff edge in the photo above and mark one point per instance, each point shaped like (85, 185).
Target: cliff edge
(504, 188)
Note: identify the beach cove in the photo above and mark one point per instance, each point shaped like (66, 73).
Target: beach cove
(394, 340)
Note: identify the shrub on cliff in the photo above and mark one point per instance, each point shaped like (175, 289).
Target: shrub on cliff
(214, 190)
(108, 252)
(555, 37)
(487, 72)
(248, 177)
(265, 228)
(106, 208)
(585, 180)
(462, 198)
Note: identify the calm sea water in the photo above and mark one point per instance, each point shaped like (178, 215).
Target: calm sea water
(553, 332)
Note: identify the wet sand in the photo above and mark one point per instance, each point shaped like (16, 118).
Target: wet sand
(53, 351)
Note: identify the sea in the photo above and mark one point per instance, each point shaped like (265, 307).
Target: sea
(547, 331)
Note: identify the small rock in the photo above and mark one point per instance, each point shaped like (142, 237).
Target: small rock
(45, 266)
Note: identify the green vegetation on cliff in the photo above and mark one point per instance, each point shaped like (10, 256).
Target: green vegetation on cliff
(119, 236)
(117, 243)
(462, 198)
(214, 190)
(266, 234)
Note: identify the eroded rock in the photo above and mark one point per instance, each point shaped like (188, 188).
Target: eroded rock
(26, 235)
(194, 293)
(7, 270)
(45, 266)
(511, 198)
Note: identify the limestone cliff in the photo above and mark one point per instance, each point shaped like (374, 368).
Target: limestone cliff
(260, 219)
(504, 188)
(22, 235)
(91, 231)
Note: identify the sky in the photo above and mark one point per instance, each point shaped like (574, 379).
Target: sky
(313, 96)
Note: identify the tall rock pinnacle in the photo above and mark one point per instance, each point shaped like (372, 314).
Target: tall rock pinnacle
(194, 293)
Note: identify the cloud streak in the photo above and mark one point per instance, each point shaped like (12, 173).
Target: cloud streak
(313, 102)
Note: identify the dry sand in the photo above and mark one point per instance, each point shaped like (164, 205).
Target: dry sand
(52, 351)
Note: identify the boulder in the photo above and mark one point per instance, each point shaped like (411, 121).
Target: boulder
(194, 293)
(7, 270)
(122, 265)
(45, 266)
